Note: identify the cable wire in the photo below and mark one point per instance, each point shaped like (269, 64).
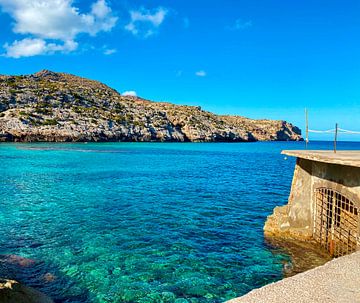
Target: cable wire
(345, 131)
(322, 131)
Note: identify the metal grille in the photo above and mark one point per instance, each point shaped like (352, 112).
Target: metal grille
(336, 222)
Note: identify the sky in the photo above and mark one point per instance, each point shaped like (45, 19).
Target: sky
(255, 58)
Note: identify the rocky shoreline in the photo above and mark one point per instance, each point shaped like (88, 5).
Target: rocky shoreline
(12, 291)
(58, 107)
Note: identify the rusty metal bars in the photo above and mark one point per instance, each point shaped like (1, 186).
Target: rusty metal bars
(336, 222)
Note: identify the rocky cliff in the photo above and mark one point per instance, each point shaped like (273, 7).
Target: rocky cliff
(49, 106)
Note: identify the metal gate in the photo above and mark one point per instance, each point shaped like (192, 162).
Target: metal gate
(336, 222)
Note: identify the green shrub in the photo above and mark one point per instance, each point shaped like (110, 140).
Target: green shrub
(44, 111)
(50, 122)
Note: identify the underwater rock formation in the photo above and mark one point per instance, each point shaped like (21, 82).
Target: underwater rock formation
(13, 292)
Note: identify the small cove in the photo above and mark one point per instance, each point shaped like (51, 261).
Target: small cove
(144, 222)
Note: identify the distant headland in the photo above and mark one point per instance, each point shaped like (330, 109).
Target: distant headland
(58, 107)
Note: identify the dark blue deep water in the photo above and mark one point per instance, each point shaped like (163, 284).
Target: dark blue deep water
(142, 222)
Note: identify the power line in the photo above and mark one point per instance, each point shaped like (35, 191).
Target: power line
(345, 131)
(335, 131)
(332, 131)
(322, 131)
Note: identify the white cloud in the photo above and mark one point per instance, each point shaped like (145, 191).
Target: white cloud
(240, 24)
(31, 47)
(144, 22)
(54, 20)
(110, 51)
(201, 73)
(131, 93)
(100, 9)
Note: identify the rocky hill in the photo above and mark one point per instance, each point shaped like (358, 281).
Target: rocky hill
(49, 106)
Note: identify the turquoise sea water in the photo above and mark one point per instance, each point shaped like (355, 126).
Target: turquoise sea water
(143, 222)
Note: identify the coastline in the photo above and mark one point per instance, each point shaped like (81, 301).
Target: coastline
(51, 107)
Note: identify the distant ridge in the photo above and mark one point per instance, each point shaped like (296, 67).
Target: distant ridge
(59, 107)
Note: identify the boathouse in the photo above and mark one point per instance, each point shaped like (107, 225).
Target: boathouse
(324, 202)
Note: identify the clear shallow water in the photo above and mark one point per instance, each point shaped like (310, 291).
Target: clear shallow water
(139, 222)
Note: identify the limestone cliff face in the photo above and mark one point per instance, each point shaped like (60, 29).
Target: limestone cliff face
(49, 106)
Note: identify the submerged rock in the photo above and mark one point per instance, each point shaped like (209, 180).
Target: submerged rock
(303, 255)
(49, 277)
(18, 260)
(13, 292)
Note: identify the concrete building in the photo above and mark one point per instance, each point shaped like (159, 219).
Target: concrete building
(324, 202)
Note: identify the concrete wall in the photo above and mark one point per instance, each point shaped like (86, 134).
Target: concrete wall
(296, 219)
(300, 206)
(345, 179)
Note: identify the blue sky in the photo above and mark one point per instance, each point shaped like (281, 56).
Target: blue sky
(261, 59)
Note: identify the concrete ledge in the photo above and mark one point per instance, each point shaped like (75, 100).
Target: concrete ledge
(342, 157)
(338, 281)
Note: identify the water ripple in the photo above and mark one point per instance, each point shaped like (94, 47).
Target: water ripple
(131, 222)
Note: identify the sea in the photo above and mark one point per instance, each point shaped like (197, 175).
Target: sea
(143, 222)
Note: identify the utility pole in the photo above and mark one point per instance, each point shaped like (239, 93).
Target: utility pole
(336, 134)
(306, 128)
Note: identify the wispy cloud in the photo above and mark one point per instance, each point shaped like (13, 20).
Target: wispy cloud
(201, 73)
(241, 24)
(130, 93)
(31, 47)
(145, 23)
(52, 26)
(110, 51)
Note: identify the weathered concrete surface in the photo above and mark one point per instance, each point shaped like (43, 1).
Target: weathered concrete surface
(342, 178)
(300, 210)
(294, 220)
(338, 281)
(343, 157)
